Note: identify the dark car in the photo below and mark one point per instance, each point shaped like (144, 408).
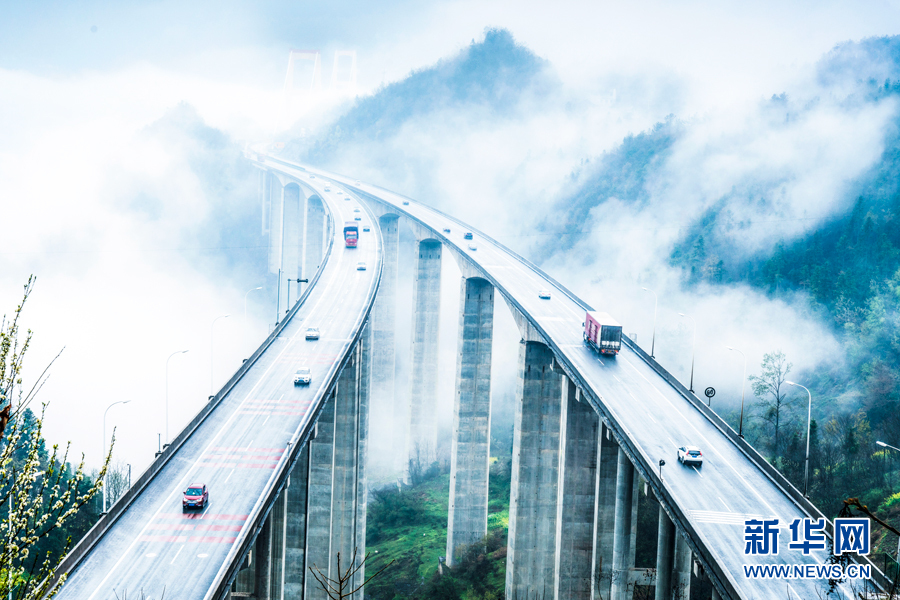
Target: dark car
(195, 496)
(468, 235)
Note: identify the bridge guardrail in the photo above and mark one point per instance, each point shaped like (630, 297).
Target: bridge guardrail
(96, 533)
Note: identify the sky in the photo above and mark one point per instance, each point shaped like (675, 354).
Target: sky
(120, 289)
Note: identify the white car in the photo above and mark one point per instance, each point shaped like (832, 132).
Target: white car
(544, 294)
(365, 228)
(473, 247)
(339, 192)
(356, 210)
(690, 455)
(302, 376)
(327, 188)
(360, 266)
(312, 333)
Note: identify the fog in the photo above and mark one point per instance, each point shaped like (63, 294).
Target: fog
(118, 123)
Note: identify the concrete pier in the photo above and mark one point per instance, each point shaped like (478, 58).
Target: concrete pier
(263, 550)
(273, 194)
(383, 323)
(531, 549)
(681, 571)
(604, 523)
(346, 454)
(471, 441)
(293, 227)
(424, 366)
(579, 427)
(318, 533)
(277, 546)
(295, 527)
(623, 555)
(665, 553)
(315, 235)
(362, 485)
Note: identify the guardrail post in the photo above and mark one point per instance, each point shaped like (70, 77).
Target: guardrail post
(424, 368)
(531, 549)
(623, 556)
(318, 536)
(579, 426)
(470, 450)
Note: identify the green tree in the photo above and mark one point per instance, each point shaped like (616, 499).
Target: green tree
(771, 390)
(39, 491)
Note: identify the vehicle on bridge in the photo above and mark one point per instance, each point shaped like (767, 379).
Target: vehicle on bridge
(690, 455)
(468, 235)
(196, 496)
(602, 333)
(302, 376)
(351, 234)
(312, 333)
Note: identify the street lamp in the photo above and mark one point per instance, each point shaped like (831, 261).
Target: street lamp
(808, 424)
(743, 380)
(104, 446)
(167, 390)
(245, 302)
(655, 304)
(211, 349)
(693, 347)
(883, 445)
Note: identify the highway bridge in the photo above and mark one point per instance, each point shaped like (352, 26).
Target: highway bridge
(286, 464)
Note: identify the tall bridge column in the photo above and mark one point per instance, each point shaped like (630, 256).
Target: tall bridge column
(263, 571)
(362, 486)
(424, 368)
(579, 427)
(295, 527)
(622, 538)
(531, 549)
(384, 322)
(470, 451)
(277, 546)
(605, 521)
(318, 537)
(665, 552)
(681, 572)
(346, 461)
(292, 223)
(315, 235)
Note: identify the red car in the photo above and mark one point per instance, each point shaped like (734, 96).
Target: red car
(196, 496)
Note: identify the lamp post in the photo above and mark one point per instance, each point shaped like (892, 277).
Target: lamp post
(104, 445)
(895, 449)
(167, 390)
(299, 281)
(212, 329)
(743, 381)
(655, 305)
(245, 302)
(808, 425)
(693, 348)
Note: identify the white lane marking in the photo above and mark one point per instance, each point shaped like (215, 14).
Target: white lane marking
(723, 503)
(202, 555)
(229, 477)
(722, 518)
(703, 437)
(176, 554)
(267, 420)
(250, 444)
(698, 471)
(150, 554)
(333, 278)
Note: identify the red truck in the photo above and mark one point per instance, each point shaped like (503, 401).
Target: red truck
(602, 333)
(351, 234)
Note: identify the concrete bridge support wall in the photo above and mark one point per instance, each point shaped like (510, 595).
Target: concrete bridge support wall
(293, 226)
(623, 555)
(321, 462)
(424, 367)
(362, 486)
(315, 235)
(295, 527)
(604, 522)
(346, 462)
(470, 451)
(665, 554)
(277, 547)
(384, 321)
(531, 551)
(579, 430)
(681, 572)
(272, 208)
